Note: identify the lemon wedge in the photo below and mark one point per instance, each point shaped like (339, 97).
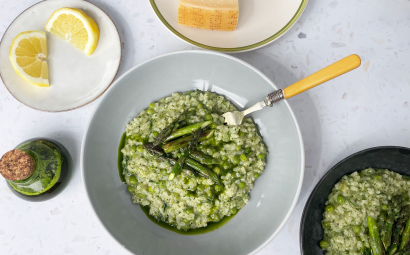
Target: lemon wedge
(74, 26)
(28, 54)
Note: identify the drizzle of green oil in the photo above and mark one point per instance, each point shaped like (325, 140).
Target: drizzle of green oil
(121, 157)
(209, 228)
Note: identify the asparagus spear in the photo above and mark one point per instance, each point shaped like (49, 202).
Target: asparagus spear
(170, 128)
(158, 153)
(381, 220)
(392, 209)
(388, 229)
(188, 130)
(189, 172)
(202, 170)
(177, 168)
(398, 230)
(203, 158)
(404, 251)
(182, 142)
(375, 241)
(406, 234)
(405, 211)
(366, 251)
(191, 146)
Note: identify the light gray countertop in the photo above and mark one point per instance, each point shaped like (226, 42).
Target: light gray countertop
(365, 108)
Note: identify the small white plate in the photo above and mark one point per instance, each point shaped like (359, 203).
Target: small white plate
(260, 23)
(75, 78)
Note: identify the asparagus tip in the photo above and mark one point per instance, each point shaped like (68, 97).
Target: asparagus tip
(206, 123)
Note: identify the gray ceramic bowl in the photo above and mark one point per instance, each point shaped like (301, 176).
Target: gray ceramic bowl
(274, 195)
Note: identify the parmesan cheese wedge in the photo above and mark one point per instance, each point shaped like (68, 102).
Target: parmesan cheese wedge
(209, 14)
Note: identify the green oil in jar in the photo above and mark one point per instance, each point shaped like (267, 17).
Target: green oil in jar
(37, 170)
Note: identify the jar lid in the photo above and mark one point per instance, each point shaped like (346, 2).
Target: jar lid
(16, 165)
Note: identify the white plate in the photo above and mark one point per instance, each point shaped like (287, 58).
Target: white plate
(75, 78)
(260, 22)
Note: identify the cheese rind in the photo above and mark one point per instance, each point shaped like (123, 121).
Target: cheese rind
(209, 14)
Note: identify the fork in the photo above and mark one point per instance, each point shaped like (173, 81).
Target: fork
(330, 72)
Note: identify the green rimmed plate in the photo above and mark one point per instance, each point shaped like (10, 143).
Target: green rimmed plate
(260, 23)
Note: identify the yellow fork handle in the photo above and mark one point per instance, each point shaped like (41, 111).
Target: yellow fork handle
(340, 67)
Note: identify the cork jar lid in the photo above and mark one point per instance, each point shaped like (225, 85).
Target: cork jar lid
(16, 165)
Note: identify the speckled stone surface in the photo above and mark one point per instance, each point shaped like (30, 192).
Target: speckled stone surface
(365, 108)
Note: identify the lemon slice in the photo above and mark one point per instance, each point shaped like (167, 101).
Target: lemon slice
(28, 54)
(75, 26)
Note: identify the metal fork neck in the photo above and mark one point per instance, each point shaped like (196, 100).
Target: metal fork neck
(274, 97)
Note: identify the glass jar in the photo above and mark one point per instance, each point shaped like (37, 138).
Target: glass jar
(37, 169)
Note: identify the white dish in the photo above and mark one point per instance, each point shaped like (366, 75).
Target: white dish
(260, 23)
(75, 78)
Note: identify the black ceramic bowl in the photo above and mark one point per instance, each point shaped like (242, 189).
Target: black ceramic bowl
(389, 157)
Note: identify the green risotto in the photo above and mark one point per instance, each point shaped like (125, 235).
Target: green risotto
(373, 196)
(233, 156)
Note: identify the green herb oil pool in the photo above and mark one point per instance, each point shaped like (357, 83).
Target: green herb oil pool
(197, 231)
